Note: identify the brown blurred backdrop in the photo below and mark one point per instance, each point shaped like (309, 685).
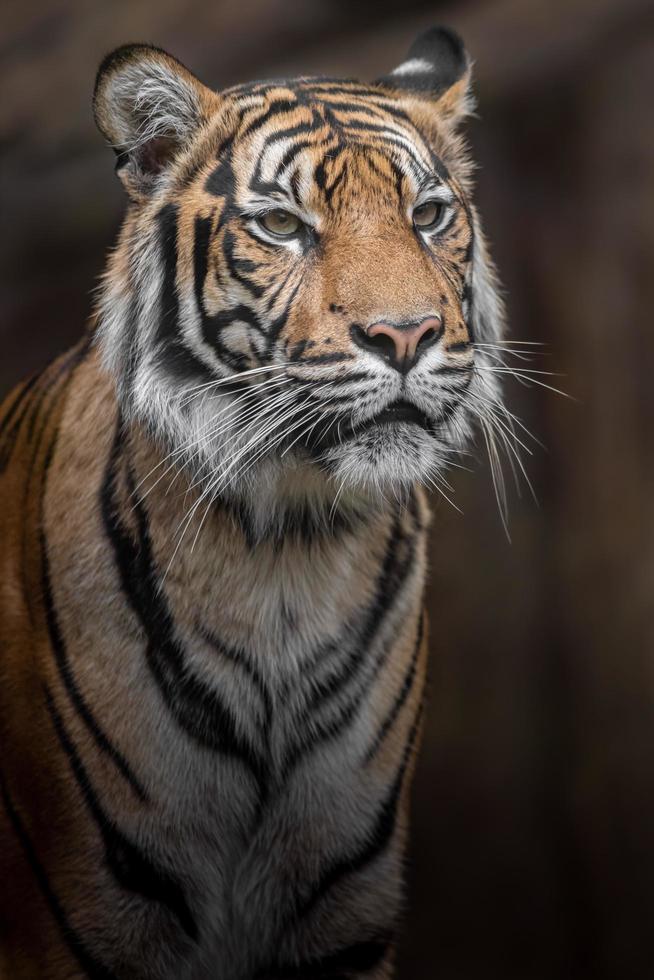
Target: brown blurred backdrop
(533, 834)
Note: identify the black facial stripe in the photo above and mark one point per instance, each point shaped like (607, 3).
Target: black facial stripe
(295, 190)
(443, 229)
(364, 108)
(238, 267)
(290, 156)
(299, 129)
(275, 293)
(276, 108)
(220, 181)
(167, 327)
(405, 152)
(379, 130)
(453, 369)
(334, 357)
(349, 377)
(340, 178)
(182, 364)
(210, 325)
(389, 179)
(278, 325)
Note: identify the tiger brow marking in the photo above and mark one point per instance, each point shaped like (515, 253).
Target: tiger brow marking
(276, 107)
(297, 148)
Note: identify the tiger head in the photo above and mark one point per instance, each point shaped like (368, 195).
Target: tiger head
(301, 285)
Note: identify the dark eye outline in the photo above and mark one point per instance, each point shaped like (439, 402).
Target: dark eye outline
(301, 227)
(441, 212)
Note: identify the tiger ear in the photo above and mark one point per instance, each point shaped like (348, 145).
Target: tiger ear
(148, 106)
(437, 69)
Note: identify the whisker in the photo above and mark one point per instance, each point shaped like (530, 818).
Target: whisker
(526, 379)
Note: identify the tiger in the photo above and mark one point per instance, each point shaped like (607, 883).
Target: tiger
(214, 514)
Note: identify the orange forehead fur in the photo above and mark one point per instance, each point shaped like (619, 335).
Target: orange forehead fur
(369, 264)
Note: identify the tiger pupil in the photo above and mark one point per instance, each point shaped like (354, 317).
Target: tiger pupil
(281, 222)
(427, 214)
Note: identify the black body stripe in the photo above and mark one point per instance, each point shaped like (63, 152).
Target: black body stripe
(18, 413)
(68, 679)
(241, 660)
(132, 870)
(377, 840)
(54, 632)
(405, 689)
(301, 523)
(348, 674)
(91, 966)
(195, 707)
(56, 640)
(21, 392)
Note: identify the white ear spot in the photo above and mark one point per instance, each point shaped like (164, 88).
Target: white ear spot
(414, 66)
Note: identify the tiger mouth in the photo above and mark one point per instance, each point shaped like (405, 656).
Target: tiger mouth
(398, 412)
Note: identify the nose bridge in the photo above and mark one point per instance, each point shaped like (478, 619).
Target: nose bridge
(381, 277)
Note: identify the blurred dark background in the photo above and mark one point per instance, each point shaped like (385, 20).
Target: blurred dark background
(533, 832)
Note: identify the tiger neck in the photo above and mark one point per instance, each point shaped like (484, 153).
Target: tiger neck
(295, 504)
(223, 569)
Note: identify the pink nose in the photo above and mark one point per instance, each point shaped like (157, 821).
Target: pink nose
(406, 341)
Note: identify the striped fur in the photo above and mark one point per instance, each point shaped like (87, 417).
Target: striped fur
(211, 629)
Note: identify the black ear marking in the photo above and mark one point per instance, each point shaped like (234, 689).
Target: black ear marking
(436, 61)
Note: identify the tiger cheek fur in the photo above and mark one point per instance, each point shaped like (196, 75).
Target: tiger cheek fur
(213, 647)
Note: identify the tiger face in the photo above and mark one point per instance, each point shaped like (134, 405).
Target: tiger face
(301, 287)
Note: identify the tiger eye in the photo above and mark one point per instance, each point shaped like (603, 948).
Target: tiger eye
(428, 214)
(281, 223)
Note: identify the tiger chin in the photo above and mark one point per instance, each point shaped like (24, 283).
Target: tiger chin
(213, 524)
